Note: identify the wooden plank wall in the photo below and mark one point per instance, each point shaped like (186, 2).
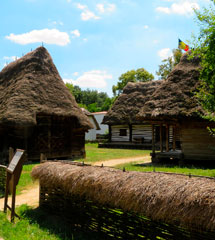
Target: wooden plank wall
(197, 144)
(144, 131)
(115, 133)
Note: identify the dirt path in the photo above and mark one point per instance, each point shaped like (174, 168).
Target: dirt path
(114, 162)
(31, 196)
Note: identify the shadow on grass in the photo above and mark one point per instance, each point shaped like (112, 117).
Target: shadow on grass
(56, 225)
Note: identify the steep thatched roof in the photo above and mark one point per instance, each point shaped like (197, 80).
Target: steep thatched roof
(175, 96)
(32, 85)
(164, 197)
(129, 103)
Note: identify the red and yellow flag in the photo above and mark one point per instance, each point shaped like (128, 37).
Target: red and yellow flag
(183, 45)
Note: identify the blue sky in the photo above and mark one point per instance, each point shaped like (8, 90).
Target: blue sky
(92, 42)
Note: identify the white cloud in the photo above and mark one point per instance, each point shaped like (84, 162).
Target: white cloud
(58, 23)
(145, 26)
(12, 58)
(165, 53)
(86, 13)
(81, 6)
(76, 74)
(91, 79)
(48, 36)
(105, 8)
(181, 8)
(100, 7)
(75, 33)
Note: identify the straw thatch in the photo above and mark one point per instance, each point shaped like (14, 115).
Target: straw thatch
(130, 102)
(175, 97)
(32, 85)
(170, 198)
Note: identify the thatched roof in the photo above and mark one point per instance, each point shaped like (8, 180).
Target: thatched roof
(175, 96)
(164, 197)
(32, 85)
(129, 103)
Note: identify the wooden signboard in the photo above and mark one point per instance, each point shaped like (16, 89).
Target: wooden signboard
(13, 174)
(15, 160)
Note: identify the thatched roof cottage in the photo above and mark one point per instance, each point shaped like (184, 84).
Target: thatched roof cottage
(37, 111)
(124, 128)
(174, 105)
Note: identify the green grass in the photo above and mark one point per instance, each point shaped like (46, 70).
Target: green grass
(37, 225)
(172, 168)
(95, 154)
(25, 179)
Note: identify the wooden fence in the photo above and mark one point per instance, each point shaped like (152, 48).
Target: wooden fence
(111, 223)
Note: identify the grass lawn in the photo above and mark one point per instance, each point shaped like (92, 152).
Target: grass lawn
(37, 225)
(95, 154)
(25, 179)
(170, 167)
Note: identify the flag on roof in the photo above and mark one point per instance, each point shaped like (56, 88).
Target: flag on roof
(183, 45)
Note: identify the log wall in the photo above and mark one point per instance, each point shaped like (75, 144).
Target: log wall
(116, 133)
(196, 142)
(142, 131)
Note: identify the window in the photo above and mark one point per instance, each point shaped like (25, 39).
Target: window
(122, 132)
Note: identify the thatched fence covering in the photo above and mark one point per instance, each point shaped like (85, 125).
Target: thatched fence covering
(173, 199)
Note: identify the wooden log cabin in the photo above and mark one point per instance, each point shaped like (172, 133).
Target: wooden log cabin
(125, 130)
(37, 111)
(174, 105)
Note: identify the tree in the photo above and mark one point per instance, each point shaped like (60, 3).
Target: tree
(205, 49)
(92, 100)
(169, 64)
(139, 75)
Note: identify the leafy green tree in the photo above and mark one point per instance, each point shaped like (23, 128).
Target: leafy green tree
(168, 64)
(205, 49)
(92, 100)
(139, 75)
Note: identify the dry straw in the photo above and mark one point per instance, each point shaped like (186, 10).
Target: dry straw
(175, 97)
(32, 85)
(130, 102)
(175, 199)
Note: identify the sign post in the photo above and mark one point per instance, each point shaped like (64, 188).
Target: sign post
(13, 174)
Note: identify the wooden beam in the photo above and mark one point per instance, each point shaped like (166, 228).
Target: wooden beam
(153, 138)
(130, 132)
(174, 138)
(49, 134)
(11, 154)
(161, 138)
(110, 133)
(167, 137)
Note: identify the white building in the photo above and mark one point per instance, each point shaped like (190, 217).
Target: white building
(96, 119)
(99, 117)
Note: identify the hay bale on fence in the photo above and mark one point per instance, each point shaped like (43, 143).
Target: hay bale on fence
(163, 197)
